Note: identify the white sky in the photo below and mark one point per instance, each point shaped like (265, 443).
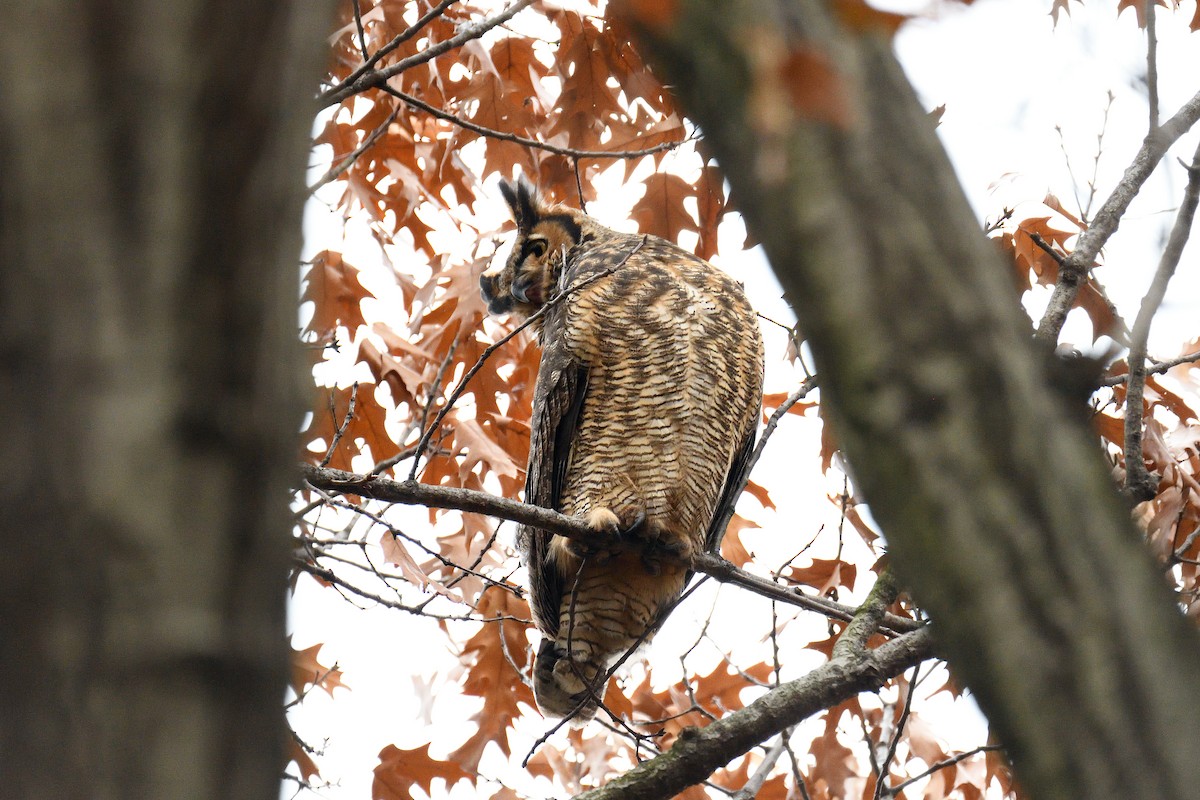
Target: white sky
(1007, 80)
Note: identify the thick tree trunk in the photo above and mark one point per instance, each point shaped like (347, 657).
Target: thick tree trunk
(998, 508)
(152, 157)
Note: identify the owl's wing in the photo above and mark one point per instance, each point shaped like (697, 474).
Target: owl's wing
(558, 402)
(730, 492)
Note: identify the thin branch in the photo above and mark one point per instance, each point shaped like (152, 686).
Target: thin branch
(341, 429)
(1086, 210)
(399, 39)
(797, 778)
(348, 161)
(1187, 543)
(504, 136)
(331, 577)
(773, 423)
(885, 767)
(377, 78)
(487, 353)
(1139, 483)
(760, 775)
(437, 381)
(1152, 64)
(362, 34)
(949, 762)
(1076, 265)
(1155, 368)
(414, 493)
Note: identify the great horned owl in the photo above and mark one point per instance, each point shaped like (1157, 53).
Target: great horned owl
(644, 414)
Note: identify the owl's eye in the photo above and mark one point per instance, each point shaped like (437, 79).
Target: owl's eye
(536, 247)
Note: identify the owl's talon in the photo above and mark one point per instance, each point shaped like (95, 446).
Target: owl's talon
(636, 528)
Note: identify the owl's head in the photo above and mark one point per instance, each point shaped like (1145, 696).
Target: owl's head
(544, 234)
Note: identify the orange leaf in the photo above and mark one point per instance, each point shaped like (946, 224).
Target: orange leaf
(400, 770)
(307, 671)
(720, 690)
(1053, 202)
(760, 494)
(1111, 428)
(774, 400)
(396, 553)
(491, 675)
(334, 288)
(480, 448)
(828, 445)
(304, 762)
(1139, 8)
(825, 575)
(660, 211)
(731, 546)
(367, 426)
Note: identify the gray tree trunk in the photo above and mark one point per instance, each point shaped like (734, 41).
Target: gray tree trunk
(999, 510)
(151, 165)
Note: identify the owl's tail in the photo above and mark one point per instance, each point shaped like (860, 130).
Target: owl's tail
(563, 687)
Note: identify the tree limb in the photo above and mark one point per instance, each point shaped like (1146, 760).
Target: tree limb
(1139, 483)
(412, 492)
(999, 510)
(700, 751)
(1076, 265)
(375, 78)
(504, 136)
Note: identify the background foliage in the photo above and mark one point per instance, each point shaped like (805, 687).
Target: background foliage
(423, 106)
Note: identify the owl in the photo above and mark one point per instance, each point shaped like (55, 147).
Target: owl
(644, 415)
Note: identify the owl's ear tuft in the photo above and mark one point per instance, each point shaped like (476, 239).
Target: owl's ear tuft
(522, 198)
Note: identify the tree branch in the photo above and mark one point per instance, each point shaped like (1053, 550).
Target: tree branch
(1139, 483)
(1075, 266)
(377, 78)
(412, 492)
(700, 751)
(504, 136)
(1157, 368)
(399, 39)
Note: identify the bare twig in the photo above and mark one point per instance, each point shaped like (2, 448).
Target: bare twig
(880, 785)
(1076, 265)
(1155, 368)
(1139, 483)
(756, 781)
(773, 423)
(1152, 64)
(414, 493)
(330, 576)
(348, 161)
(504, 136)
(400, 39)
(341, 429)
(377, 78)
(362, 34)
(949, 762)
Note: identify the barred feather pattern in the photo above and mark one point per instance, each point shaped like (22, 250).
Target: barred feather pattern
(647, 400)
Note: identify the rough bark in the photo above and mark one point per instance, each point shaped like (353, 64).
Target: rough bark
(999, 510)
(152, 157)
